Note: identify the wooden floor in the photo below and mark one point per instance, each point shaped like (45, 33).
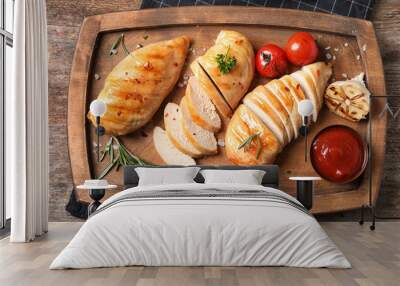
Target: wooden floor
(375, 257)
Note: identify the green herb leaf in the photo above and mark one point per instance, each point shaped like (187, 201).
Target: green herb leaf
(102, 155)
(265, 59)
(225, 62)
(259, 148)
(123, 45)
(106, 150)
(116, 44)
(248, 140)
(107, 169)
(123, 158)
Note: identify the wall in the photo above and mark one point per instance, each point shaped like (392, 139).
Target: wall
(64, 20)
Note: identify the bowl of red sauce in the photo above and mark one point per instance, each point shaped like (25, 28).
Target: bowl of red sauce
(339, 154)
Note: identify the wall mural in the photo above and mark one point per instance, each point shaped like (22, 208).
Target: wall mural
(213, 95)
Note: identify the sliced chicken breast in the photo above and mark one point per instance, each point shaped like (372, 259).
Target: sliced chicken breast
(269, 98)
(284, 96)
(256, 102)
(220, 103)
(201, 138)
(308, 87)
(262, 146)
(274, 93)
(235, 83)
(175, 131)
(167, 150)
(320, 73)
(201, 108)
(294, 88)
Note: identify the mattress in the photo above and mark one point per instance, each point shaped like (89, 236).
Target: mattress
(201, 225)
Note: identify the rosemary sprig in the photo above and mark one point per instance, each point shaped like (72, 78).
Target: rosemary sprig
(248, 140)
(259, 147)
(107, 150)
(116, 44)
(246, 143)
(124, 46)
(121, 157)
(225, 62)
(107, 169)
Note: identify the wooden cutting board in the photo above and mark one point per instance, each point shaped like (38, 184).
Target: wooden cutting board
(350, 42)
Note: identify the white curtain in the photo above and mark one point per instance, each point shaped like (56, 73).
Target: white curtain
(27, 123)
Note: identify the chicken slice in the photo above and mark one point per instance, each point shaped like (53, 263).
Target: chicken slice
(216, 97)
(175, 131)
(167, 150)
(257, 103)
(320, 73)
(201, 108)
(201, 138)
(308, 87)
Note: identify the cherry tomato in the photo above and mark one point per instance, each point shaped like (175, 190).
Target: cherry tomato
(271, 61)
(301, 49)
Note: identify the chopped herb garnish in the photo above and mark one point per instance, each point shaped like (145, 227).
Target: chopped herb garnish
(116, 44)
(122, 157)
(225, 62)
(145, 37)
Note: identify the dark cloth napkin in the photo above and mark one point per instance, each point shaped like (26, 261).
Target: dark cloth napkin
(354, 8)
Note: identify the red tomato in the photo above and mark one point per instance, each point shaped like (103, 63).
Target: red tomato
(301, 49)
(271, 61)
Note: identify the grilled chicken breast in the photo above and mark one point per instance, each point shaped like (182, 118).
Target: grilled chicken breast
(136, 87)
(274, 107)
(234, 84)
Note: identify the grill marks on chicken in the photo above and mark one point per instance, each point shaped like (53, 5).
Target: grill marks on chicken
(136, 87)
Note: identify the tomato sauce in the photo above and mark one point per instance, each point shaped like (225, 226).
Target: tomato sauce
(338, 154)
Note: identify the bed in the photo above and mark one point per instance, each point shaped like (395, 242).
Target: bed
(201, 224)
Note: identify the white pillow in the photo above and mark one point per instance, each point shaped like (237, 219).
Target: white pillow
(247, 177)
(166, 176)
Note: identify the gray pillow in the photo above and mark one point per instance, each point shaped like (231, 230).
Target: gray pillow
(166, 176)
(246, 177)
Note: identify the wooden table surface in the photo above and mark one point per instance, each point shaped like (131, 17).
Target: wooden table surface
(64, 20)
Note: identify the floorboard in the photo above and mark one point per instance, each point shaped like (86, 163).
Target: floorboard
(375, 257)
